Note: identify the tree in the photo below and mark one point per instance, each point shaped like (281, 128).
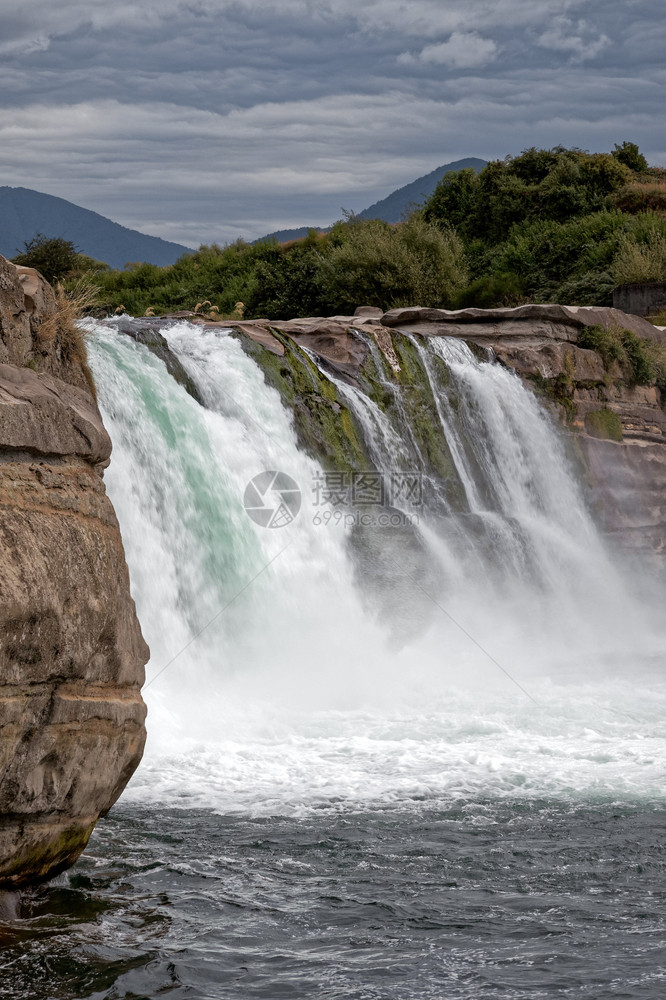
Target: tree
(629, 154)
(54, 257)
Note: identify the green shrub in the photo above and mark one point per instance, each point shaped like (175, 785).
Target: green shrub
(640, 260)
(494, 290)
(546, 254)
(287, 285)
(374, 263)
(643, 362)
(641, 359)
(55, 258)
(606, 342)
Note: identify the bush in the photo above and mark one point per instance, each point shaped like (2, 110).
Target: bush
(606, 342)
(288, 285)
(454, 199)
(54, 258)
(374, 263)
(640, 261)
(546, 253)
(643, 362)
(496, 290)
(641, 359)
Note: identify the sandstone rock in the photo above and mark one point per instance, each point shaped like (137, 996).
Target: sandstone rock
(385, 345)
(552, 321)
(44, 416)
(261, 334)
(38, 296)
(15, 332)
(329, 339)
(628, 488)
(550, 359)
(71, 651)
(370, 311)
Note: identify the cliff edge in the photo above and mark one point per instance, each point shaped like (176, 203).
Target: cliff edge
(71, 651)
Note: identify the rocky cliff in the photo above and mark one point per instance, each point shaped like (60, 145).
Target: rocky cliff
(71, 650)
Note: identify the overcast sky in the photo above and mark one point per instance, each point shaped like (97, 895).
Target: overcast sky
(202, 120)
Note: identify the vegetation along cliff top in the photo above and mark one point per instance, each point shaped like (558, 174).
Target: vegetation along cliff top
(550, 225)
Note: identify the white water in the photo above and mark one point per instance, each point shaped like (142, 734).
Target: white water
(281, 693)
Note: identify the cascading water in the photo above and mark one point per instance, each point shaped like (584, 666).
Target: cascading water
(282, 690)
(385, 762)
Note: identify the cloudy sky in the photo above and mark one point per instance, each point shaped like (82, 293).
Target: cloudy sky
(202, 120)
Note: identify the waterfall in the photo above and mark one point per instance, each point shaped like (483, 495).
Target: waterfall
(274, 684)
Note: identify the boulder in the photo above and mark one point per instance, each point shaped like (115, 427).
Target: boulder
(38, 296)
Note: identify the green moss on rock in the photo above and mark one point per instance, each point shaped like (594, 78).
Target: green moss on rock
(46, 855)
(604, 423)
(325, 428)
(406, 397)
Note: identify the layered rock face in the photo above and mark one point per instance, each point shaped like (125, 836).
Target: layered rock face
(71, 651)
(619, 429)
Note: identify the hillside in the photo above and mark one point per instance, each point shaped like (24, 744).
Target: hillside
(24, 213)
(407, 198)
(395, 205)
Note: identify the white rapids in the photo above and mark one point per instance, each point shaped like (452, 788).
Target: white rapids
(273, 689)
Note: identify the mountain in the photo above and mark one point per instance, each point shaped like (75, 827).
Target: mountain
(395, 205)
(24, 213)
(287, 235)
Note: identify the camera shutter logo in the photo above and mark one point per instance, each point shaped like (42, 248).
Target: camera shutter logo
(272, 499)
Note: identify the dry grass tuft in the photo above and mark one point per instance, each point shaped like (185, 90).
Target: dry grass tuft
(60, 329)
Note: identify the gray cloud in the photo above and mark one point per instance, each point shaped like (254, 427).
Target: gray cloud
(462, 50)
(210, 119)
(577, 38)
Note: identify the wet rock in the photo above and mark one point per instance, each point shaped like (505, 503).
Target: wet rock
(149, 335)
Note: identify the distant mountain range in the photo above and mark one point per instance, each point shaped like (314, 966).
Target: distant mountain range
(394, 206)
(24, 213)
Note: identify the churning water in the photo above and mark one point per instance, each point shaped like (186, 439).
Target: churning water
(438, 776)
